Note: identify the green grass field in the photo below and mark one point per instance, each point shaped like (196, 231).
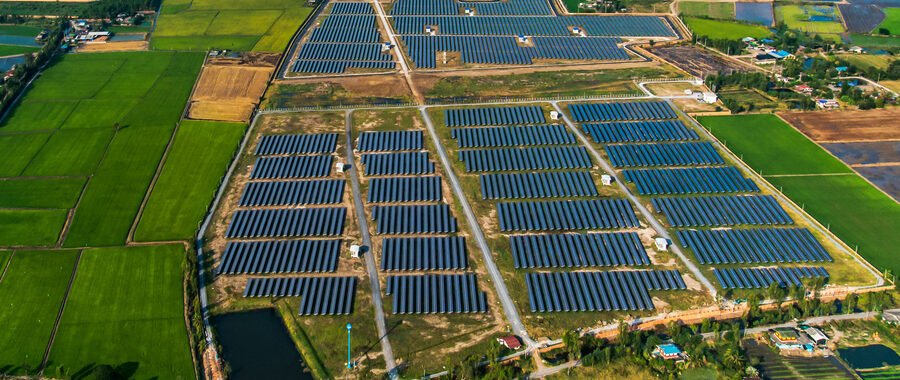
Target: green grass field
(797, 17)
(40, 192)
(868, 61)
(875, 41)
(193, 169)
(856, 211)
(891, 21)
(6, 50)
(722, 11)
(245, 25)
(31, 228)
(725, 29)
(32, 292)
(125, 310)
(19, 30)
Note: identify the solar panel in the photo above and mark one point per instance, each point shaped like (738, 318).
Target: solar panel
(578, 250)
(566, 215)
(417, 295)
(432, 253)
(727, 210)
(318, 295)
(280, 256)
(760, 278)
(759, 245)
(597, 291)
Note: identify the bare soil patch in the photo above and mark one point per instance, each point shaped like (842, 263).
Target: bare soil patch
(846, 126)
(229, 89)
(698, 62)
(115, 46)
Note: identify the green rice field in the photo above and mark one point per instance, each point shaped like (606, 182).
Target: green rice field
(725, 29)
(798, 17)
(194, 167)
(245, 25)
(32, 291)
(891, 21)
(856, 211)
(125, 310)
(723, 11)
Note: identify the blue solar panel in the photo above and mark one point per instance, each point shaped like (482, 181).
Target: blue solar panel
(287, 223)
(640, 131)
(431, 219)
(293, 193)
(622, 111)
(597, 291)
(466, 117)
(433, 253)
(452, 7)
(390, 141)
(296, 144)
(492, 50)
(427, 294)
(759, 278)
(405, 189)
(537, 185)
(291, 167)
(561, 26)
(758, 245)
(725, 210)
(578, 250)
(566, 215)
(359, 8)
(512, 159)
(690, 181)
(318, 295)
(342, 28)
(280, 256)
(512, 136)
(667, 154)
(406, 163)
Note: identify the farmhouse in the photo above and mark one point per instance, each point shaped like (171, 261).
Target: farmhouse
(670, 351)
(511, 342)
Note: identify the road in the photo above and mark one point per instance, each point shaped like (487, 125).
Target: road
(872, 82)
(509, 307)
(371, 267)
(658, 227)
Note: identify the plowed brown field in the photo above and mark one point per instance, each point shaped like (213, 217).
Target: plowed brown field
(229, 91)
(869, 125)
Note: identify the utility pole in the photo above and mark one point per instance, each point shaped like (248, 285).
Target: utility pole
(349, 361)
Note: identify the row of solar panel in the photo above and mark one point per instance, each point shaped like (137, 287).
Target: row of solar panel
(338, 67)
(760, 278)
(621, 111)
(358, 8)
(318, 295)
(491, 50)
(405, 163)
(537, 185)
(566, 215)
(563, 26)
(465, 117)
(514, 159)
(291, 167)
(762, 245)
(389, 141)
(427, 294)
(292, 193)
(728, 210)
(347, 28)
(452, 7)
(690, 181)
(280, 256)
(640, 131)
(322, 143)
(333, 51)
(664, 154)
(430, 219)
(404, 189)
(287, 223)
(432, 253)
(512, 136)
(597, 291)
(578, 250)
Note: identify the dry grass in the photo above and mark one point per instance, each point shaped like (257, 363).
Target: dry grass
(228, 90)
(115, 46)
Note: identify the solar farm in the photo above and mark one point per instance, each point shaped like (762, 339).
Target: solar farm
(436, 34)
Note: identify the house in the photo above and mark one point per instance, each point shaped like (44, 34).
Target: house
(511, 342)
(803, 89)
(827, 104)
(764, 59)
(787, 338)
(817, 336)
(669, 351)
(710, 97)
(780, 54)
(856, 49)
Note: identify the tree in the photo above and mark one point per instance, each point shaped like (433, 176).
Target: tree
(573, 344)
(850, 303)
(493, 352)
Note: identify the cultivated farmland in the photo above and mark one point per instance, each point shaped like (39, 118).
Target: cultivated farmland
(816, 19)
(861, 18)
(248, 25)
(724, 29)
(229, 89)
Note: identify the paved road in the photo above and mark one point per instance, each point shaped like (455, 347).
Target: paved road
(509, 308)
(371, 268)
(658, 227)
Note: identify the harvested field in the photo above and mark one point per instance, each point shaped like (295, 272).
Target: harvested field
(887, 178)
(229, 89)
(372, 89)
(698, 62)
(866, 153)
(861, 18)
(115, 46)
(870, 125)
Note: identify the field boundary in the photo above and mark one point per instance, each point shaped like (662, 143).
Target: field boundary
(62, 308)
(6, 265)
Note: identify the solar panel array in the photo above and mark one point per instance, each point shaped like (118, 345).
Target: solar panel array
(346, 38)
(431, 253)
(763, 245)
(403, 163)
(727, 210)
(466, 117)
(280, 256)
(290, 167)
(293, 193)
(621, 111)
(760, 278)
(452, 7)
(389, 141)
(280, 223)
(512, 136)
(321, 143)
(578, 250)
(664, 154)
(537, 185)
(495, 50)
(640, 131)
(566, 215)
(318, 295)
(430, 294)
(690, 181)
(598, 291)
(560, 26)
(430, 219)
(540, 158)
(404, 189)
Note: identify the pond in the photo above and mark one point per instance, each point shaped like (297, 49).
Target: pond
(257, 345)
(874, 356)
